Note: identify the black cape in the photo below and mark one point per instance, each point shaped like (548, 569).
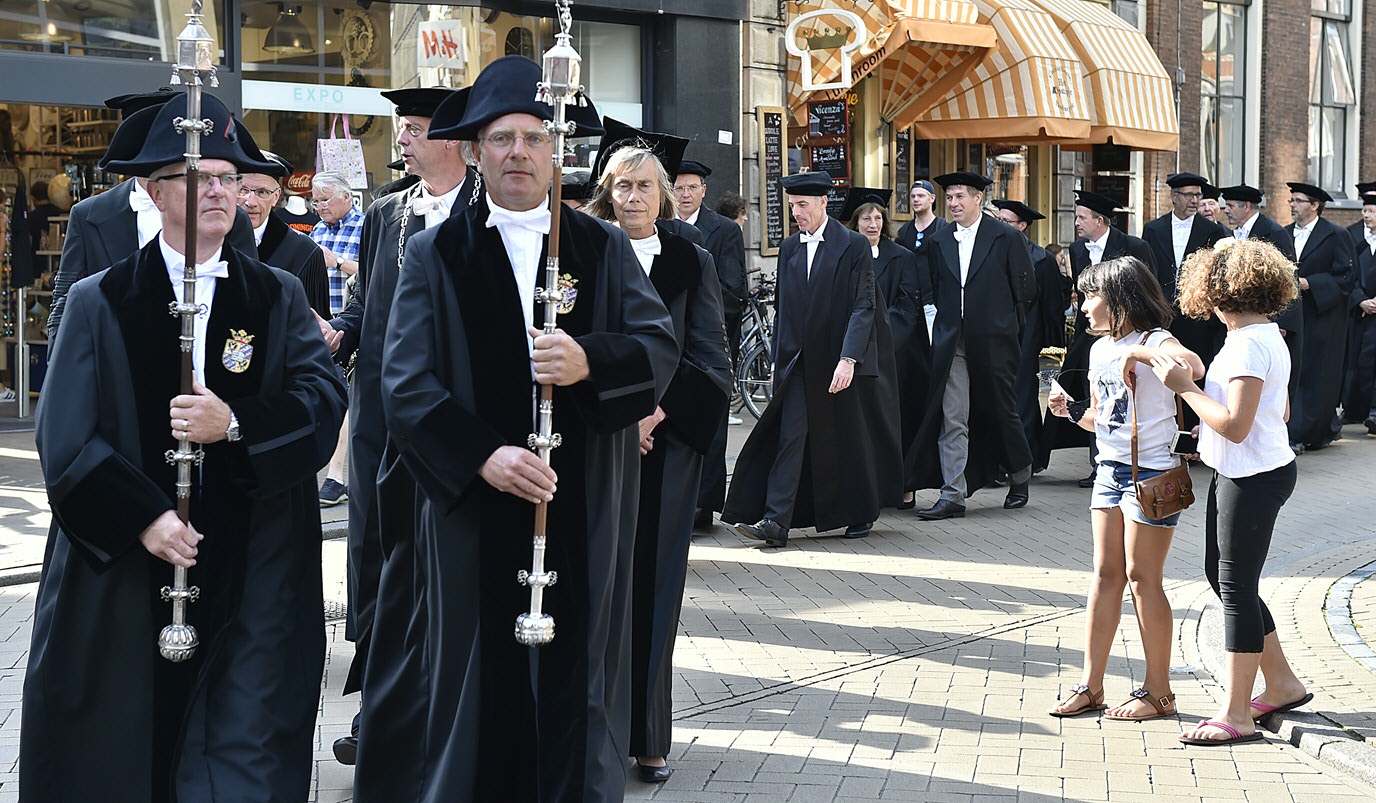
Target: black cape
(852, 457)
(725, 241)
(999, 287)
(1361, 349)
(1290, 320)
(97, 695)
(898, 278)
(1328, 264)
(456, 386)
(288, 249)
(695, 404)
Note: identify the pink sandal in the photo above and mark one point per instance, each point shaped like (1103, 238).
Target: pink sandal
(1268, 710)
(1234, 735)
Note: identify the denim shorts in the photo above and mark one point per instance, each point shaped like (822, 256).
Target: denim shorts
(1113, 488)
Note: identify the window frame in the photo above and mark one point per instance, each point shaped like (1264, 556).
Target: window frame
(1352, 113)
(1242, 89)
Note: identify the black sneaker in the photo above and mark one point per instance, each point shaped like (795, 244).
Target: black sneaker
(332, 492)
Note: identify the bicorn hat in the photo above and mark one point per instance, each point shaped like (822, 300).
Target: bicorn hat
(163, 145)
(617, 135)
(507, 86)
(1024, 212)
(857, 197)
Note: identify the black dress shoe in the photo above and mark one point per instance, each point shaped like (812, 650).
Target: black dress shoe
(1088, 482)
(858, 530)
(1370, 424)
(912, 503)
(943, 509)
(346, 750)
(1017, 496)
(653, 774)
(766, 530)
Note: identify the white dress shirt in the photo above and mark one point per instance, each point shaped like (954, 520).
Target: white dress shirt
(206, 275)
(813, 241)
(435, 208)
(148, 216)
(1370, 239)
(1302, 236)
(646, 249)
(1180, 236)
(965, 248)
(524, 241)
(874, 251)
(1096, 248)
(258, 232)
(1244, 231)
(692, 220)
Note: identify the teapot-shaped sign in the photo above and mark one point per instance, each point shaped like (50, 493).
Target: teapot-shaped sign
(810, 34)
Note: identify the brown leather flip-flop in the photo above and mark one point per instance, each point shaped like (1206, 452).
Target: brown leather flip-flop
(1165, 706)
(1094, 702)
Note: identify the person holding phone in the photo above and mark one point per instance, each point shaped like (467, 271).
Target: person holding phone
(1124, 301)
(1243, 409)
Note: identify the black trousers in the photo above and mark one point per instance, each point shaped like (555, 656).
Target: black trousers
(1237, 535)
(787, 470)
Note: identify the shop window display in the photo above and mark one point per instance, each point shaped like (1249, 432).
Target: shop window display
(145, 30)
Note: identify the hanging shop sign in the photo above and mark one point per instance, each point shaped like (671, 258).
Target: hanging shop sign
(824, 42)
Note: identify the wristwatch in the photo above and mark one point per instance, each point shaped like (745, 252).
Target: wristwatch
(850, 360)
(232, 431)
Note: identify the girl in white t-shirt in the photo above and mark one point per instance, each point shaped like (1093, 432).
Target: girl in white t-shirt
(1242, 411)
(1124, 302)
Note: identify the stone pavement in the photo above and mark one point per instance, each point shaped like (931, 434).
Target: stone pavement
(916, 664)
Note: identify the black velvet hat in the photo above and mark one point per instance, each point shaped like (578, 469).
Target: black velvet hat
(1178, 180)
(1369, 199)
(128, 139)
(814, 182)
(857, 197)
(136, 101)
(507, 86)
(284, 168)
(446, 114)
(420, 101)
(1102, 204)
(576, 185)
(617, 135)
(688, 167)
(1365, 187)
(1024, 212)
(164, 145)
(1313, 192)
(1210, 192)
(965, 179)
(1241, 192)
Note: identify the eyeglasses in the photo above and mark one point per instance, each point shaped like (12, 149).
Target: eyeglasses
(229, 181)
(688, 188)
(1189, 195)
(262, 192)
(505, 142)
(324, 203)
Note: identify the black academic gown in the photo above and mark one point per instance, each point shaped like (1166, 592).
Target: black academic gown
(101, 231)
(1291, 320)
(282, 247)
(695, 405)
(1328, 265)
(852, 458)
(1204, 338)
(1361, 349)
(1357, 231)
(1061, 433)
(106, 718)
(456, 386)
(1044, 328)
(898, 277)
(724, 240)
(999, 286)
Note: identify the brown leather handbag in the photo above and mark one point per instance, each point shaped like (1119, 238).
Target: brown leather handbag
(1171, 491)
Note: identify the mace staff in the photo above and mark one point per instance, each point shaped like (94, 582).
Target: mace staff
(560, 88)
(195, 60)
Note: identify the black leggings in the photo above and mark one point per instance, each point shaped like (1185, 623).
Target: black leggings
(1237, 535)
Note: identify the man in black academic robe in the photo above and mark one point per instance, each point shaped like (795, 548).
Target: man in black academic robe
(1045, 324)
(1097, 240)
(444, 186)
(1242, 208)
(983, 284)
(1358, 231)
(278, 244)
(1327, 276)
(725, 241)
(1172, 238)
(108, 227)
(1359, 400)
(503, 721)
(825, 454)
(106, 718)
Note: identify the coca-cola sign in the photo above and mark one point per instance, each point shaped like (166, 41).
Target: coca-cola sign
(299, 183)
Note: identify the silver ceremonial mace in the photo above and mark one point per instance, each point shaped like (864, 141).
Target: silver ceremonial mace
(560, 88)
(195, 58)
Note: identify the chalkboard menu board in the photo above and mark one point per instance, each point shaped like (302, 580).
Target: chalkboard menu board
(902, 172)
(827, 118)
(836, 202)
(831, 159)
(773, 217)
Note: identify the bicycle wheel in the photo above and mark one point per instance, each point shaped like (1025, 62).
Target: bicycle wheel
(756, 379)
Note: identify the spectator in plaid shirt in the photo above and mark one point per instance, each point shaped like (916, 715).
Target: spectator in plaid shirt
(337, 233)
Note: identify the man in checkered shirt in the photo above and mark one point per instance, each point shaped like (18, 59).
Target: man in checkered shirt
(337, 233)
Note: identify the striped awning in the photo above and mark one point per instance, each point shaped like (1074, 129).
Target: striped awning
(1131, 100)
(919, 50)
(1028, 89)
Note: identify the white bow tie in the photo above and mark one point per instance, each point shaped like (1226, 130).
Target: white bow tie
(141, 202)
(210, 270)
(963, 234)
(1183, 224)
(1240, 234)
(1370, 237)
(815, 237)
(536, 220)
(424, 204)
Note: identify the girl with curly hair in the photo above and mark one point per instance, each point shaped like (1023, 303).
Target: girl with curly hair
(1243, 410)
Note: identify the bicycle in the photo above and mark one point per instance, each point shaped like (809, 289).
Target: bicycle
(755, 372)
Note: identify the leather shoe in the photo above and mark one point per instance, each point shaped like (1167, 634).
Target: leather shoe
(859, 530)
(346, 750)
(1088, 482)
(943, 509)
(653, 774)
(766, 530)
(1370, 424)
(1017, 496)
